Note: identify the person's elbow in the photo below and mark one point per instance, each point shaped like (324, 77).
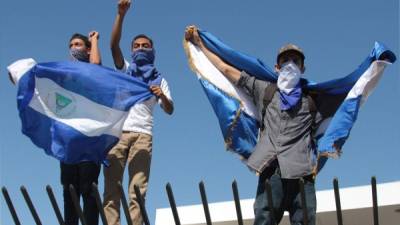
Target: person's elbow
(170, 110)
(169, 107)
(118, 58)
(231, 73)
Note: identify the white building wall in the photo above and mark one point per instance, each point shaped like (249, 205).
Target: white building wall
(356, 203)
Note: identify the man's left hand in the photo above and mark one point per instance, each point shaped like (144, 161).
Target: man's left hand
(93, 35)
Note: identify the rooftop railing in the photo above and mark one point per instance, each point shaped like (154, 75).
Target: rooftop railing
(141, 202)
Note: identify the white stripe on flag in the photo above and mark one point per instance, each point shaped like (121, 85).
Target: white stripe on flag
(368, 81)
(207, 71)
(76, 111)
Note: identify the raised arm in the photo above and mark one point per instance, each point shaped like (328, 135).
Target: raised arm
(123, 6)
(230, 72)
(95, 56)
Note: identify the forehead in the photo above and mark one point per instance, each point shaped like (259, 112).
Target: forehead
(76, 40)
(291, 54)
(142, 40)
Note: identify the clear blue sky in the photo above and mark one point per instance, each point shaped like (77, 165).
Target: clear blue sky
(188, 146)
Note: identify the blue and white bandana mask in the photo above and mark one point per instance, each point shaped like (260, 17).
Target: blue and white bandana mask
(143, 68)
(142, 56)
(288, 85)
(77, 54)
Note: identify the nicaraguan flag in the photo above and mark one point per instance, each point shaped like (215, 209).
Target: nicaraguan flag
(74, 110)
(238, 116)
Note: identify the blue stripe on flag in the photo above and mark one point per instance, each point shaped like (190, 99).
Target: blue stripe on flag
(244, 135)
(239, 60)
(240, 134)
(340, 126)
(62, 141)
(255, 67)
(99, 84)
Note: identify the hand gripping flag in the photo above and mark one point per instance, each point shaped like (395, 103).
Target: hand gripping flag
(74, 110)
(337, 100)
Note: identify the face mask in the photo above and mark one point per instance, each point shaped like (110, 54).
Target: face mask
(289, 76)
(142, 57)
(79, 55)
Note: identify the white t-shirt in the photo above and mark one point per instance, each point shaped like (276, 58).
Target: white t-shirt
(140, 118)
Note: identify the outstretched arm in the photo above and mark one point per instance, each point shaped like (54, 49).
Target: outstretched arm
(230, 72)
(95, 57)
(123, 6)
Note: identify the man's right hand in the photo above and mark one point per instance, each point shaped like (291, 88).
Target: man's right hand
(192, 35)
(123, 6)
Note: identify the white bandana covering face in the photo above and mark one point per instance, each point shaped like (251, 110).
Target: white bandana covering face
(20, 67)
(289, 76)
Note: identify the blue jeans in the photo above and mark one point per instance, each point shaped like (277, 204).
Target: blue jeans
(286, 197)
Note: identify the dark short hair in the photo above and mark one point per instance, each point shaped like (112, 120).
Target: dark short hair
(141, 36)
(82, 37)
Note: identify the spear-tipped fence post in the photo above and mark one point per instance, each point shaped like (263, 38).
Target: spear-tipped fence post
(30, 205)
(205, 203)
(124, 204)
(374, 201)
(54, 205)
(77, 206)
(140, 200)
(10, 206)
(172, 203)
(237, 202)
(99, 204)
(337, 201)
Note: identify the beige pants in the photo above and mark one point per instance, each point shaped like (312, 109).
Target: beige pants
(134, 148)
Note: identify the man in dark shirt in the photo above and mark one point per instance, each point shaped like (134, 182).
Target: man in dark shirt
(284, 152)
(83, 174)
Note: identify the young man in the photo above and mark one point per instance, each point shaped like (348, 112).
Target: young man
(85, 49)
(135, 145)
(83, 174)
(284, 149)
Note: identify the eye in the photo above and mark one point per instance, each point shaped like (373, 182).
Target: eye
(285, 59)
(298, 61)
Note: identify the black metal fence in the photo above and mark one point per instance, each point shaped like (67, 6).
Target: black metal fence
(171, 199)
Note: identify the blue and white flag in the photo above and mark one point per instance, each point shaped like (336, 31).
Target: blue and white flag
(74, 110)
(238, 116)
